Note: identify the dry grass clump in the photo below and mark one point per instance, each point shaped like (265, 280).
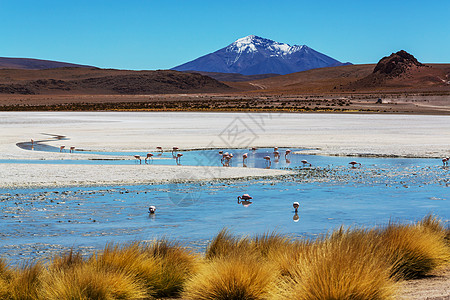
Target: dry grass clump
(231, 278)
(417, 249)
(225, 244)
(25, 282)
(5, 274)
(89, 282)
(345, 265)
(162, 267)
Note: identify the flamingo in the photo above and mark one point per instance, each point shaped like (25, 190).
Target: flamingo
(72, 149)
(244, 197)
(445, 161)
(174, 149)
(354, 163)
(138, 158)
(160, 149)
(276, 154)
(275, 148)
(296, 206)
(224, 156)
(149, 155)
(245, 200)
(305, 162)
(220, 152)
(253, 149)
(288, 151)
(32, 142)
(152, 209)
(61, 148)
(178, 158)
(226, 159)
(244, 158)
(268, 162)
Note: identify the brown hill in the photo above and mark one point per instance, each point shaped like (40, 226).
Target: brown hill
(35, 64)
(233, 77)
(323, 80)
(98, 81)
(402, 70)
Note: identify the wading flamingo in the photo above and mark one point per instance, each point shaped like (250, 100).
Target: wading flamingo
(245, 200)
(61, 148)
(160, 149)
(151, 209)
(354, 163)
(174, 149)
(305, 162)
(296, 205)
(268, 162)
(178, 158)
(72, 149)
(224, 156)
(244, 158)
(138, 158)
(275, 148)
(149, 156)
(220, 152)
(276, 154)
(445, 161)
(288, 151)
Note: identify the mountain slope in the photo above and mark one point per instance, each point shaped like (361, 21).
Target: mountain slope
(35, 64)
(253, 55)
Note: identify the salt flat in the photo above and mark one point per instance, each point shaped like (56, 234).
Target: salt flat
(326, 134)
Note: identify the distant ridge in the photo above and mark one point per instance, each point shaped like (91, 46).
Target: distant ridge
(35, 64)
(254, 55)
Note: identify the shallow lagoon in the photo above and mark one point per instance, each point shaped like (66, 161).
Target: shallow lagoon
(38, 222)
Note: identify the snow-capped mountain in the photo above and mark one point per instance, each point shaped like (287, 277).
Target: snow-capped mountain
(253, 55)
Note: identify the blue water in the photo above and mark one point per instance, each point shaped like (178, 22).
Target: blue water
(39, 222)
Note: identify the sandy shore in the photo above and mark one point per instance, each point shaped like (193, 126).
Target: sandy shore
(326, 134)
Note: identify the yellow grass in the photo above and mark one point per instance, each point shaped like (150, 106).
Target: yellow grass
(418, 249)
(231, 278)
(89, 282)
(346, 264)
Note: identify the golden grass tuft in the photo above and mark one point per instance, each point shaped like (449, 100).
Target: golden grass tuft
(87, 282)
(25, 282)
(345, 265)
(231, 278)
(417, 249)
(162, 266)
(225, 244)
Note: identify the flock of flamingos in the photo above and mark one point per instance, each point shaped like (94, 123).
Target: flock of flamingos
(226, 157)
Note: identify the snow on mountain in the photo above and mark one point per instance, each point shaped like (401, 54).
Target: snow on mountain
(253, 55)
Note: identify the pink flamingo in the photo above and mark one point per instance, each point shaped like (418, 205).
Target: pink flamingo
(72, 149)
(224, 156)
(178, 158)
(160, 149)
(287, 153)
(268, 162)
(296, 205)
(354, 163)
(174, 149)
(445, 161)
(305, 162)
(245, 200)
(61, 148)
(276, 154)
(275, 148)
(149, 156)
(138, 158)
(244, 158)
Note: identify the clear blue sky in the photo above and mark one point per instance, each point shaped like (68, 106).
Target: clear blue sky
(162, 34)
